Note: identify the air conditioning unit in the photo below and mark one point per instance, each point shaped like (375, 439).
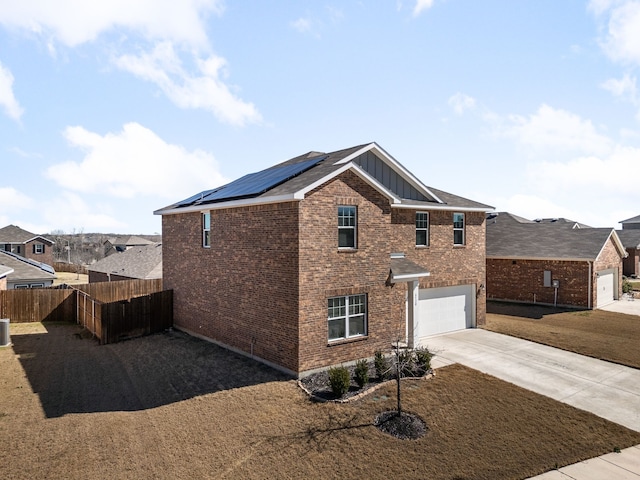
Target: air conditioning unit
(5, 340)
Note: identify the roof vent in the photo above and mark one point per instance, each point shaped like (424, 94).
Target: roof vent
(538, 220)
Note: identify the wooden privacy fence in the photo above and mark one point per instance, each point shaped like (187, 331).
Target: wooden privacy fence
(38, 305)
(129, 310)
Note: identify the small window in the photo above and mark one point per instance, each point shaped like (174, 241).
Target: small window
(458, 228)
(206, 229)
(422, 229)
(21, 287)
(38, 248)
(347, 317)
(346, 227)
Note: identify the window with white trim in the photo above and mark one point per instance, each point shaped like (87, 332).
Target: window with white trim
(206, 229)
(347, 317)
(347, 223)
(458, 228)
(422, 229)
(38, 248)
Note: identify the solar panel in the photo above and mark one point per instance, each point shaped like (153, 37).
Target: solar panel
(252, 184)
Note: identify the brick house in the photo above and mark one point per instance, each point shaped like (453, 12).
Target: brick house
(25, 273)
(26, 244)
(630, 237)
(553, 263)
(4, 272)
(307, 264)
(141, 262)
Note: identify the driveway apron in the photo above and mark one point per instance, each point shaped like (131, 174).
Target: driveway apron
(606, 389)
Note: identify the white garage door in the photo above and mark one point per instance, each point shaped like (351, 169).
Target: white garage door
(445, 310)
(605, 285)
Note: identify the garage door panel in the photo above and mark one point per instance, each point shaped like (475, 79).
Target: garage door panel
(445, 310)
(605, 286)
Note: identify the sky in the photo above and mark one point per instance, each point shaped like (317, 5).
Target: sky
(110, 110)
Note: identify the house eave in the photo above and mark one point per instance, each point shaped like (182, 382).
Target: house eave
(450, 208)
(409, 277)
(546, 259)
(231, 204)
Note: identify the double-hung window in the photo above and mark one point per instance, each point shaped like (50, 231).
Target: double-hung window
(347, 316)
(38, 248)
(458, 228)
(206, 229)
(422, 229)
(347, 223)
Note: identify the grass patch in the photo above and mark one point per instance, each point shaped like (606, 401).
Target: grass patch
(600, 334)
(170, 400)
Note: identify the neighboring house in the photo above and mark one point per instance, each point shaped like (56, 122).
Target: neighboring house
(26, 244)
(26, 273)
(630, 238)
(552, 263)
(142, 262)
(631, 223)
(4, 272)
(123, 243)
(307, 264)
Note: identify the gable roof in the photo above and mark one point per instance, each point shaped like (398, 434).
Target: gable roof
(293, 179)
(629, 238)
(547, 241)
(15, 234)
(4, 271)
(502, 217)
(635, 219)
(128, 240)
(25, 269)
(143, 261)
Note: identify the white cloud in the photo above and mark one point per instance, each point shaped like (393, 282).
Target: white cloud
(302, 25)
(74, 22)
(622, 39)
(69, 211)
(11, 199)
(624, 87)
(421, 6)
(206, 90)
(134, 162)
(7, 99)
(556, 129)
(461, 102)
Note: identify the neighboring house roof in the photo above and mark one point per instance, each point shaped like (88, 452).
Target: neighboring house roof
(293, 179)
(4, 271)
(25, 269)
(635, 219)
(144, 261)
(547, 241)
(629, 238)
(14, 234)
(502, 217)
(129, 241)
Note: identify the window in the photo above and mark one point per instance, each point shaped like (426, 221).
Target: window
(206, 229)
(346, 227)
(347, 317)
(458, 228)
(38, 248)
(422, 229)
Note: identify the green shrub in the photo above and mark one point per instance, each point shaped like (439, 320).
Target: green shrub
(381, 365)
(423, 360)
(340, 380)
(627, 287)
(361, 373)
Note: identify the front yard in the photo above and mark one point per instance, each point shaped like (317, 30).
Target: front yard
(172, 406)
(597, 333)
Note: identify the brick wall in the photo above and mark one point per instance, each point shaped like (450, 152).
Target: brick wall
(609, 259)
(96, 277)
(46, 257)
(3, 283)
(523, 281)
(243, 291)
(326, 271)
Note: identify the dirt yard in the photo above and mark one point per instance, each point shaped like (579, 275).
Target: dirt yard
(172, 406)
(597, 333)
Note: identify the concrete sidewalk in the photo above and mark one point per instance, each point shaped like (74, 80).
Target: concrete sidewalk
(608, 390)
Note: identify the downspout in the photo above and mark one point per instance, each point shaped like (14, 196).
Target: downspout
(590, 282)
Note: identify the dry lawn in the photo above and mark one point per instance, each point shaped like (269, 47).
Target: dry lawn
(172, 406)
(71, 278)
(597, 333)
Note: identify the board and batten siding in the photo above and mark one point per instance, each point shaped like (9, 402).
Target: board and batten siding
(387, 177)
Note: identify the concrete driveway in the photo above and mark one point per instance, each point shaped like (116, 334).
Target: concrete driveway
(630, 307)
(608, 390)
